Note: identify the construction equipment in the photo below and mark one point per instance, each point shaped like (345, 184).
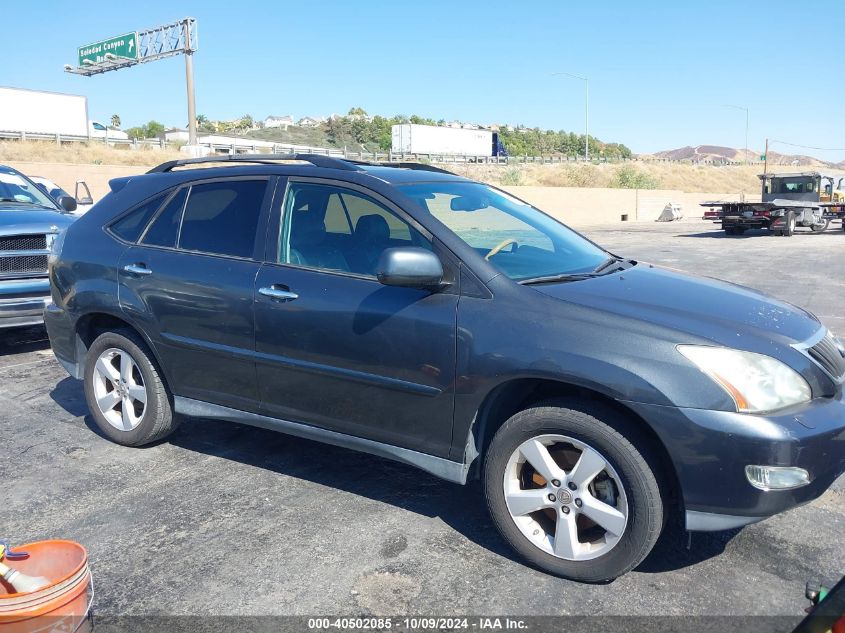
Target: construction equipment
(808, 199)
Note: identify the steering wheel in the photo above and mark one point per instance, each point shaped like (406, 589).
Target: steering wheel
(498, 247)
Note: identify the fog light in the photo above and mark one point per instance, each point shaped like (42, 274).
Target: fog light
(776, 477)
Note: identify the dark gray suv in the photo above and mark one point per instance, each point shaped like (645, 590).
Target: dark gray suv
(408, 312)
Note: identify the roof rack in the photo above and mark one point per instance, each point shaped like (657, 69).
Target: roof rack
(402, 165)
(318, 160)
(315, 159)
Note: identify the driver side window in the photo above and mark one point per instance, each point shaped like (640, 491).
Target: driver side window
(332, 228)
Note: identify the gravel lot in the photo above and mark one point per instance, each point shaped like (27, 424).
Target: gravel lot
(227, 519)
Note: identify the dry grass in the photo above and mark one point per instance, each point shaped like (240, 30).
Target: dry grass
(83, 154)
(683, 177)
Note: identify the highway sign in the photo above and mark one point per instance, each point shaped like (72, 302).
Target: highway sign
(125, 46)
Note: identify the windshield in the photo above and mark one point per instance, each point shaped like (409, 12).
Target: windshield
(521, 241)
(16, 188)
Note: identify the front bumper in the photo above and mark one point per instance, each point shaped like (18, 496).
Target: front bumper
(710, 449)
(22, 302)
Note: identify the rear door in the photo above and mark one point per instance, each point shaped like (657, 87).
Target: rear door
(189, 282)
(337, 349)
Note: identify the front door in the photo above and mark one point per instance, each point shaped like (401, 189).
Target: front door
(190, 280)
(337, 349)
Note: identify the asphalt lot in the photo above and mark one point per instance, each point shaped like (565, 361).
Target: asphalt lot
(227, 519)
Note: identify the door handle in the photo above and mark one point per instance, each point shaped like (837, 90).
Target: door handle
(278, 294)
(138, 270)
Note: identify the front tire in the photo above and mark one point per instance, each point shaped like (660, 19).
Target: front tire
(125, 393)
(821, 226)
(571, 492)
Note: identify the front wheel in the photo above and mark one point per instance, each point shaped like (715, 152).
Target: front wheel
(571, 493)
(821, 226)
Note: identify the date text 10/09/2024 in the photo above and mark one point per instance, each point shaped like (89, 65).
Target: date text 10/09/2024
(418, 623)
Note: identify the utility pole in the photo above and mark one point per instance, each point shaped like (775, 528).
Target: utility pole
(189, 82)
(586, 111)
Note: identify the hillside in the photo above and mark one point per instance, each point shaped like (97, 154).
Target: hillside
(699, 153)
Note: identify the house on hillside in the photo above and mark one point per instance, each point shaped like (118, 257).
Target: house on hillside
(308, 121)
(279, 121)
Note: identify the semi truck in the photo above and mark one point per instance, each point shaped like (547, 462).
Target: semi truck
(42, 112)
(410, 138)
(808, 199)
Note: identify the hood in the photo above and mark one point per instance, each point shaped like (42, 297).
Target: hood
(719, 311)
(16, 219)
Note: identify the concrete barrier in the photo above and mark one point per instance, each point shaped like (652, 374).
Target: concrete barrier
(572, 205)
(580, 206)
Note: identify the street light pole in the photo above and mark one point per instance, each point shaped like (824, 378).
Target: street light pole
(586, 111)
(746, 127)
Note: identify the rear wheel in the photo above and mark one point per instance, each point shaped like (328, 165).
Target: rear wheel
(571, 493)
(124, 390)
(789, 224)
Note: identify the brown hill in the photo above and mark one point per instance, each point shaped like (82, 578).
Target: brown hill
(717, 153)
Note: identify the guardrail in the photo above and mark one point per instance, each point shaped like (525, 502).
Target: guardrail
(244, 146)
(72, 138)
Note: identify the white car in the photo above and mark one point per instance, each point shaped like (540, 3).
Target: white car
(100, 130)
(83, 198)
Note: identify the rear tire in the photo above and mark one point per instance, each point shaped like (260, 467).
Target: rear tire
(789, 224)
(125, 393)
(573, 433)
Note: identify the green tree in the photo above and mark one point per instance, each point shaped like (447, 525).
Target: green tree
(153, 129)
(361, 112)
(115, 121)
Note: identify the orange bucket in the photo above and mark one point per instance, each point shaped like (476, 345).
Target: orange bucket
(62, 605)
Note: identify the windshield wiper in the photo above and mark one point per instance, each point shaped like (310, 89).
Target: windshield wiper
(550, 279)
(610, 261)
(605, 268)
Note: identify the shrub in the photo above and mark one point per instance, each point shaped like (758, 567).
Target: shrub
(512, 177)
(629, 177)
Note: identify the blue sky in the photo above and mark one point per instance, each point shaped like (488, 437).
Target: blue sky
(660, 72)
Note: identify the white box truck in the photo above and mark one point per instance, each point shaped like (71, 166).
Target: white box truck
(409, 138)
(40, 112)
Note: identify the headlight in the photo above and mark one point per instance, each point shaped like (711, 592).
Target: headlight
(757, 383)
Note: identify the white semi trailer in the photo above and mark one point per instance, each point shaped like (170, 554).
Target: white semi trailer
(410, 138)
(40, 112)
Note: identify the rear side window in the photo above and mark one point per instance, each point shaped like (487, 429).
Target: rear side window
(222, 217)
(129, 227)
(165, 228)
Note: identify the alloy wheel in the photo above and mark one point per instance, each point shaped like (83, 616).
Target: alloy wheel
(565, 497)
(119, 389)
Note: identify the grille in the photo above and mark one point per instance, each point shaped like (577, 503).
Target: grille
(23, 264)
(827, 355)
(23, 243)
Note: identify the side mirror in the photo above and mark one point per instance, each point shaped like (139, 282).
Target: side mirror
(83, 194)
(67, 203)
(410, 267)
